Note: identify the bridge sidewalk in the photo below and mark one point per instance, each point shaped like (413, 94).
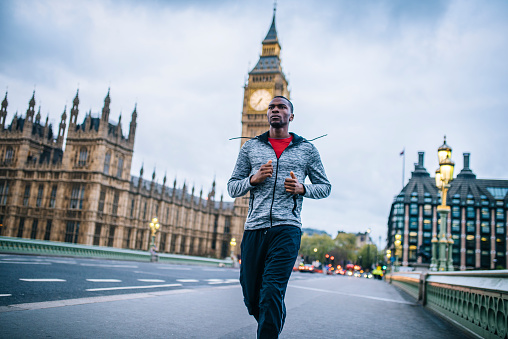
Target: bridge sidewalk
(320, 307)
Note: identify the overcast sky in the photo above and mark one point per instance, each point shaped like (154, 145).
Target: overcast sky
(376, 76)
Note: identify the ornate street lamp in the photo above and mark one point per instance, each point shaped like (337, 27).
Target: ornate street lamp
(444, 175)
(398, 251)
(232, 243)
(154, 226)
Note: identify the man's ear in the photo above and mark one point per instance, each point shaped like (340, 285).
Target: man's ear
(291, 117)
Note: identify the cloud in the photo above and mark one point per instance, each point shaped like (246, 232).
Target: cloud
(376, 76)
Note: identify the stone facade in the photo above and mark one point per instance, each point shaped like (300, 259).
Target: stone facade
(85, 193)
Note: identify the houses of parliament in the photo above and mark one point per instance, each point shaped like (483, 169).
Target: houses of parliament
(76, 185)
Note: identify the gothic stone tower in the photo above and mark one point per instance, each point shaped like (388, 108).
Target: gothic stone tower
(266, 80)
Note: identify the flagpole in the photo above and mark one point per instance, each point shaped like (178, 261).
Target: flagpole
(403, 165)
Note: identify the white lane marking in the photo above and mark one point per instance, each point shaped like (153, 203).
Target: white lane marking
(187, 280)
(62, 262)
(151, 280)
(43, 280)
(130, 287)
(104, 299)
(353, 295)
(109, 265)
(103, 280)
(175, 268)
(25, 262)
(221, 281)
(213, 269)
(5, 295)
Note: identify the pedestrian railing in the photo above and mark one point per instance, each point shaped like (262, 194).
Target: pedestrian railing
(52, 248)
(474, 300)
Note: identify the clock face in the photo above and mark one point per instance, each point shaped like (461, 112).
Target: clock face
(260, 99)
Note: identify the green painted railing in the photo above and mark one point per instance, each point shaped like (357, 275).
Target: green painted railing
(476, 300)
(52, 248)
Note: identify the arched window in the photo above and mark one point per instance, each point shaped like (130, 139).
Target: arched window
(9, 155)
(83, 155)
(119, 169)
(107, 160)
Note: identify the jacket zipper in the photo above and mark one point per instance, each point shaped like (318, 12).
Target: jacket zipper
(275, 183)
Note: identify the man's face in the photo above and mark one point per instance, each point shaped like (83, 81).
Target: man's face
(279, 114)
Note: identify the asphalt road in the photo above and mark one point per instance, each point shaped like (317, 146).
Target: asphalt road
(28, 279)
(193, 302)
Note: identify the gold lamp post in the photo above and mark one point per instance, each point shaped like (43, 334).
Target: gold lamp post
(154, 226)
(232, 243)
(444, 175)
(398, 250)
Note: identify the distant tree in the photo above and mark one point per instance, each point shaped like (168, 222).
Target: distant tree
(367, 256)
(323, 244)
(345, 248)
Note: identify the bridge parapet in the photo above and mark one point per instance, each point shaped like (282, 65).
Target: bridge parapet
(474, 300)
(53, 248)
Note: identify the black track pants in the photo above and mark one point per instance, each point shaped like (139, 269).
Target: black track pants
(268, 257)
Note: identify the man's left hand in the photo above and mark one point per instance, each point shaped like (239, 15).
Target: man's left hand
(293, 186)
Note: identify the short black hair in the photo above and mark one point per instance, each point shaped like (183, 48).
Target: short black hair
(290, 103)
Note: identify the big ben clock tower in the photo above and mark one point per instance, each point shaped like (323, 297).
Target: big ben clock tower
(266, 80)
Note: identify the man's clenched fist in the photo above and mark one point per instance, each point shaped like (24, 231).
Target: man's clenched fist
(293, 186)
(263, 172)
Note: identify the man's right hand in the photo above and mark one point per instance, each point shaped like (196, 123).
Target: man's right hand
(263, 172)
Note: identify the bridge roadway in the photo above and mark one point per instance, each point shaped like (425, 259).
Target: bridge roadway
(84, 298)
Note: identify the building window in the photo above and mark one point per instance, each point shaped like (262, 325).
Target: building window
(102, 198)
(470, 213)
(470, 226)
(33, 234)
(111, 237)
(413, 223)
(499, 214)
(119, 169)
(427, 210)
(413, 209)
(163, 242)
(456, 212)
(83, 155)
(144, 212)
(427, 198)
(47, 234)
(227, 225)
(21, 227)
(107, 160)
(398, 209)
(414, 197)
(52, 198)
(485, 227)
(97, 235)
(9, 155)
(4, 191)
(40, 192)
(456, 225)
(485, 213)
(115, 203)
(77, 195)
(456, 199)
(470, 199)
(72, 232)
(26, 196)
(499, 228)
(127, 238)
(427, 224)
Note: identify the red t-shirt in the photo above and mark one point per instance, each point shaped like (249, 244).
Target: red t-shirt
(279, 145)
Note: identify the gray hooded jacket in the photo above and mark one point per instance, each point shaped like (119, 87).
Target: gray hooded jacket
(269, 203)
